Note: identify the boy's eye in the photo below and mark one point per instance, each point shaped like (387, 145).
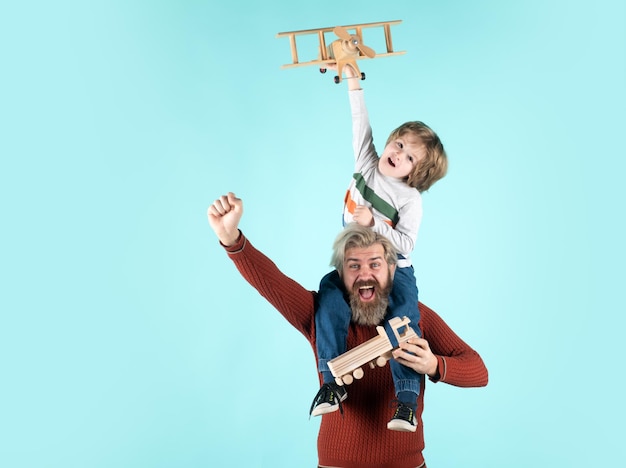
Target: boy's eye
(410, 158)
(400, 145)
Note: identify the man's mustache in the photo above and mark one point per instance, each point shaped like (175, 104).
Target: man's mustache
(365, 283)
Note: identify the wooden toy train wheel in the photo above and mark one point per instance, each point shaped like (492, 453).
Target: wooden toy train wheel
(381, 361)
(347, 379)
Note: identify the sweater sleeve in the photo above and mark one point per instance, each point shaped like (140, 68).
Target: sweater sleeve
(458, 363)
(292, 300)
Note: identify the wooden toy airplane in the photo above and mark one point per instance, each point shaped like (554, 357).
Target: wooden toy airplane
(343, 51)
(375, 352)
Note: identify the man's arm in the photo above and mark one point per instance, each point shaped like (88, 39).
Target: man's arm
(293, 301)
(442, 354)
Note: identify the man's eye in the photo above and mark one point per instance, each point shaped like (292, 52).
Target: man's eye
(353, 267)
(375, 265)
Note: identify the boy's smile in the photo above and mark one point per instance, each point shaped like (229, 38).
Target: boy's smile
(400, 157)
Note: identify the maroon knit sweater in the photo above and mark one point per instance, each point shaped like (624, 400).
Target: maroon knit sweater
(360, 438)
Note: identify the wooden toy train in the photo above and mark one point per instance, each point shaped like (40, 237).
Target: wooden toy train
(375, 352)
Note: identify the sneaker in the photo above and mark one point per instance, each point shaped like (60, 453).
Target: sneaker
(404, 419)
(328, 399)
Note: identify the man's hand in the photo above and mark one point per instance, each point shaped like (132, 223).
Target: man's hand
(417, 355)
(363, 215)
(224, 215)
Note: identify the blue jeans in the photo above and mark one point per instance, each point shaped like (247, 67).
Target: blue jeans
(332, 319)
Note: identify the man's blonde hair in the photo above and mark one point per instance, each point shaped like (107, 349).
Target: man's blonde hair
(434, 165)
(356, 236)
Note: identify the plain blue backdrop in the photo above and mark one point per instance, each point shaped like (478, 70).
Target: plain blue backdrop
(127, 339)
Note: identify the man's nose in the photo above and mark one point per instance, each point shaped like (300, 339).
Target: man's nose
(365, 274)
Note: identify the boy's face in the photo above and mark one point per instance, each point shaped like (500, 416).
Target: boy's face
(401, 155)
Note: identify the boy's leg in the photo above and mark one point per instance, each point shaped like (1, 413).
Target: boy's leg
(403, 302)
(332, 319)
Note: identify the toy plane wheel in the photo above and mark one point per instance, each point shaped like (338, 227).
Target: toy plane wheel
(347, 379)
(358, 373)
(381, 361)
(322, 70)
(338, 381)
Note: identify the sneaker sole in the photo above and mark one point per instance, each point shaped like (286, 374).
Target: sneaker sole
(320, 410)
(401, 426)
(326, 408)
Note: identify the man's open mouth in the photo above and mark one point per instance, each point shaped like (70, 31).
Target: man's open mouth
(366, 292)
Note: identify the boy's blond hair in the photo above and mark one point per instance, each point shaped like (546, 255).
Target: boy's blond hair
(434, 165)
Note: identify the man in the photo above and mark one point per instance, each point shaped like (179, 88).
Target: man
(356, 437)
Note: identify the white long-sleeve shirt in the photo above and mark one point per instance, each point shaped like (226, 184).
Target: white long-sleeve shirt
(397, 207)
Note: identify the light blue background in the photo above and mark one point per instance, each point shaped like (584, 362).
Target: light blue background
(127, 339)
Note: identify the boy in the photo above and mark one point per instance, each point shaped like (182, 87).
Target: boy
(385, 194)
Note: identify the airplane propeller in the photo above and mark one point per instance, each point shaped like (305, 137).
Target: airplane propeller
(353, 41)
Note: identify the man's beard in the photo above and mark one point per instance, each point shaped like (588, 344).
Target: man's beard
(369, 313)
